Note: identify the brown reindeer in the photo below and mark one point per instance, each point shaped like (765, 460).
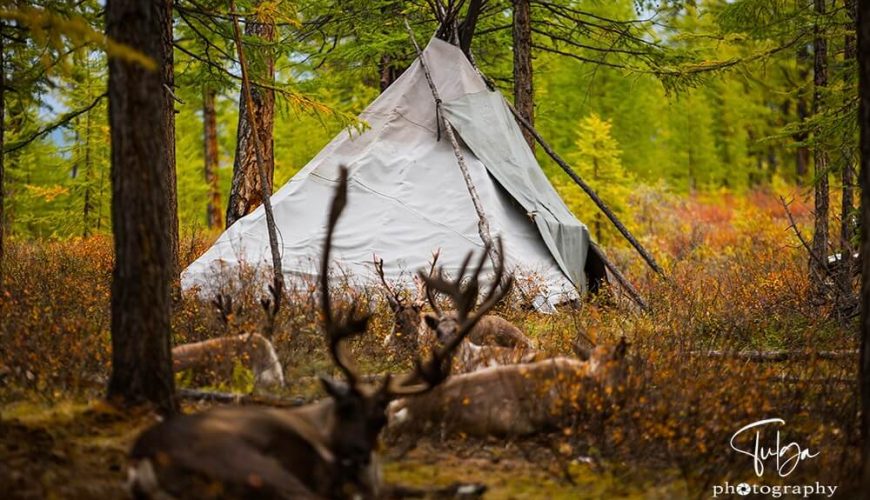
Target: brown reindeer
(413, 329)
(511, 400)
(322, 450)
(218, 356)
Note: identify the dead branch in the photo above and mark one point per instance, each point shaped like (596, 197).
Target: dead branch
(778, 356)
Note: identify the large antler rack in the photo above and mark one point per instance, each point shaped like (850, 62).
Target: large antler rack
(347, 323)
(463, 291)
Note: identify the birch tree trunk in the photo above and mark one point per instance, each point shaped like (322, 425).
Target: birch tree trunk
(141, 163)
(246, 191)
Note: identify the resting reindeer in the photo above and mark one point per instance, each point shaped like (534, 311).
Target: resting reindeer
(322, 450)
(219, 355)
(413, 328)
(511, 400)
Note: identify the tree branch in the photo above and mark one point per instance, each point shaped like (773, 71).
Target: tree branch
(60, 122)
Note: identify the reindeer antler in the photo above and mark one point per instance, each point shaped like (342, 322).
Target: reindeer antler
(345, 324)
(463, 291)
(425, 289)
(392, 295)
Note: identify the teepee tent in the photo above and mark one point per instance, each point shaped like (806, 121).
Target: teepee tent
(407, 196)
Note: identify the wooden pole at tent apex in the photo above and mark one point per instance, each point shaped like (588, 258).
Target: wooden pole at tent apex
(277, 274)
(592, 194)
(441, 122)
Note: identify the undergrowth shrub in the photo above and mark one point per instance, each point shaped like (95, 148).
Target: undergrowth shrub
(737, 281)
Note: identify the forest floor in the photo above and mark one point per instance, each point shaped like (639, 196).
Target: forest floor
(738, 281)
(78, 450)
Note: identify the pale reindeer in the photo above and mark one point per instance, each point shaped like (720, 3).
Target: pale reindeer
(413, 329)
(321, 450)
(512, 400)
(218, 356)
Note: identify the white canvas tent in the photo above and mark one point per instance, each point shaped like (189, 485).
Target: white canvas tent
(407, 196)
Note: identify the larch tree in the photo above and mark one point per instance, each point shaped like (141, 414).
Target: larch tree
(820, 155)
(2, 155)
(524, 92)
(210, 155)
(863, 22)
(141, 161)
(169, 179)
(246, 192)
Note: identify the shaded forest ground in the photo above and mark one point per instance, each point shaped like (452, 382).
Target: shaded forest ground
(738, 282)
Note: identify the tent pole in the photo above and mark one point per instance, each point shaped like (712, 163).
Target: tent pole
(621, 279)
(592, 194)
(441, 122)
(277, 274)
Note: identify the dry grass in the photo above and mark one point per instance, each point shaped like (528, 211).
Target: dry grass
(738, 281)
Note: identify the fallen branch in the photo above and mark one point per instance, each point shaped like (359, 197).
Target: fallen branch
(777, 356)
(240, 399)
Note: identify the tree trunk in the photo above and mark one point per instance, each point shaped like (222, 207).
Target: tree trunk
(820, 156)
(469, 24)
(209, 120)
(864, 180)
(87, 206)
(524, 91)
(847, 174)
(141, 163)
(389, 72)
(2, 155)
(89, 177)
(170, 184)
(802, 155)
(246, 191)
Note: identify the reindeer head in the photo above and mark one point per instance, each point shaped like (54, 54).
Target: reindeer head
(360, 408)
(407, 313)
(606, 362)
(446, 325)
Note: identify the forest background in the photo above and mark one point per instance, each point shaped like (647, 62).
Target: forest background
(686, 97)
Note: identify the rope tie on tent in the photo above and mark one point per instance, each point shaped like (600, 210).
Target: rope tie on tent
(441, 121)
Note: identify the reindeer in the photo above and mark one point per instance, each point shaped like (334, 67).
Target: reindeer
(412, 329)
(511, 400)
(321, 450)
(218, 356)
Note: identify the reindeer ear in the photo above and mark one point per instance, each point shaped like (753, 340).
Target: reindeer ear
(621, 349)
(431, 321)
(333, 388)
(583, 353)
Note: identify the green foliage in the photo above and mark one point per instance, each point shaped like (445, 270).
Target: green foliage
(697, 97)
(598, 160)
